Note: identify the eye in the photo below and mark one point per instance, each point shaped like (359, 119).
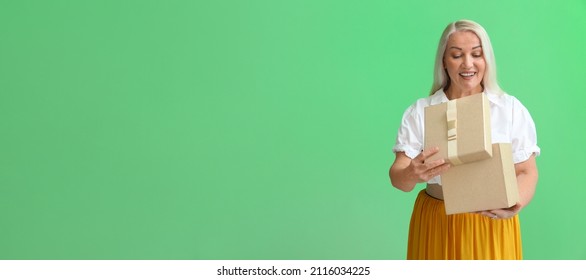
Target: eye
(456, 56)
(477, 55)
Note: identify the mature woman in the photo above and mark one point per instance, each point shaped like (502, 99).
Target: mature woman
(464, 65)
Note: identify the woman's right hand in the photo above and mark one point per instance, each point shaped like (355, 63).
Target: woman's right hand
(425, 170)
(405, 172)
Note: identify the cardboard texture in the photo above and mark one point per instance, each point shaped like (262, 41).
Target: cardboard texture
(482, 185)
(471, 136)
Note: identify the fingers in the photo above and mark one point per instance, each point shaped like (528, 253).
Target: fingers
(489, 214)
(504, 213)
(515, 208)
(437, 168)
(425, 170)
(434, 164)
(427, 153)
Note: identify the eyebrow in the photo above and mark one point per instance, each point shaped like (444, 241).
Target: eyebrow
(461, 48)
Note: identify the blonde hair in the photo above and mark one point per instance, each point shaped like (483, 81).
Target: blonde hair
(441, 79)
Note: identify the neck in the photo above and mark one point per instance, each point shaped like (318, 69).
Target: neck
(453, 93)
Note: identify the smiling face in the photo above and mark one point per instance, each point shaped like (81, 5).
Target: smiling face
(465, 64)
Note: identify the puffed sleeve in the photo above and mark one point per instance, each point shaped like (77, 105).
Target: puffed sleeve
(410, 134)
(524, 135)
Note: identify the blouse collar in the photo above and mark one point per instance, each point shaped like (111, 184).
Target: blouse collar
(440, 97)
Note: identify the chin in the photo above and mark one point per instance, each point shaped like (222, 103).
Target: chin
(470, 86)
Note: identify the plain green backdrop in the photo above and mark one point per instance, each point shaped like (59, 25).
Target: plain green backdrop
(257, 129)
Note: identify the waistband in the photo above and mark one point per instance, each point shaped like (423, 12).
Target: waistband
(435, 191)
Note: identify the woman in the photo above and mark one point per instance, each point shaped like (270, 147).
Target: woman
(464, 65)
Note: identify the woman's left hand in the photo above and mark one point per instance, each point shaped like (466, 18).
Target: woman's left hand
(503, 213)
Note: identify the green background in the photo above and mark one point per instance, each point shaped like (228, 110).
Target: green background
(256, 129)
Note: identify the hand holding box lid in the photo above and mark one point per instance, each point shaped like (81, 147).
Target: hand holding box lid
(460, 128)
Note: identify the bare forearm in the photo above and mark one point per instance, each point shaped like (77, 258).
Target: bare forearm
(526, 182)
(527, 176)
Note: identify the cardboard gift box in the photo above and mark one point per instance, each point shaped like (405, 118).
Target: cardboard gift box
(460, 128)
(482, 185)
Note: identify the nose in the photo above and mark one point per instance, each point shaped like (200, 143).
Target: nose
(467, 62)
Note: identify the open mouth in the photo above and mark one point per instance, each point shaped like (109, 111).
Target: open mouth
(467, 74)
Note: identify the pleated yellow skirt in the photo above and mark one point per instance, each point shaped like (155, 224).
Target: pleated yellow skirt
(433, 235)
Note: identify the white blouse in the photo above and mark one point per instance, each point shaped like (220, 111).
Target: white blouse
(510, 120)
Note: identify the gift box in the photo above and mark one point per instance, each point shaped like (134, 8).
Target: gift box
(460, 128)
(482, 185)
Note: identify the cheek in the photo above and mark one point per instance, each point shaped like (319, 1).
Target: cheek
(481, 65)
(451, 66)
(482, 71)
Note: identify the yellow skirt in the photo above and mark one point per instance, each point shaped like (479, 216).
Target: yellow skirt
(433, 235)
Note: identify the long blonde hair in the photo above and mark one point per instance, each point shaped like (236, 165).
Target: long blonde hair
(441, 79)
